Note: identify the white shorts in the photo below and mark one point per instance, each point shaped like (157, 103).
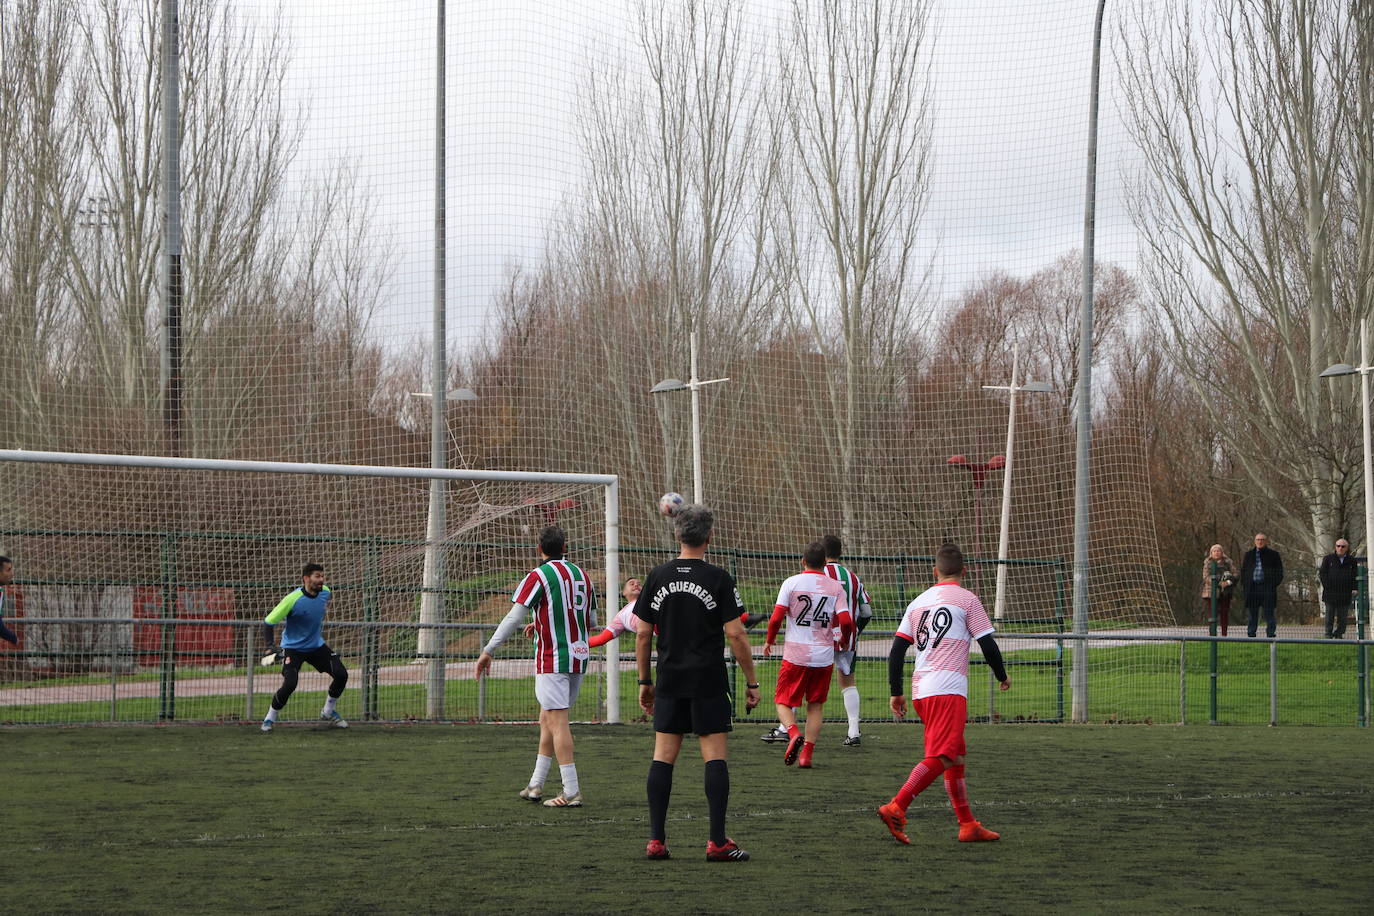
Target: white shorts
(844, 661)
(557, 691)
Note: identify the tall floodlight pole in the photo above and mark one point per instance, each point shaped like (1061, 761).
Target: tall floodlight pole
(1081, 501)
(171, 230)
(695, 386)
(1003, 542)
(432, 597)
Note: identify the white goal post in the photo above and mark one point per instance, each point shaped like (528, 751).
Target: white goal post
(610, 484)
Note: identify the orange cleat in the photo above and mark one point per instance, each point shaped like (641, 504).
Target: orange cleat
(974, 832)
(895, 819)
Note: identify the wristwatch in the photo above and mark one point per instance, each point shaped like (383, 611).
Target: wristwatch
(751, 686)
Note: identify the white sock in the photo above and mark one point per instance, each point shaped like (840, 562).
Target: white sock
(541, 770)
(851, 709)
(329, 704)
(271, 714)
(569, 773)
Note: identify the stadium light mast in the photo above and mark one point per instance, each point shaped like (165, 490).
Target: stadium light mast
(172, 383)
(999, 605)
(1082, 453)
(431, 595)
(694, 385)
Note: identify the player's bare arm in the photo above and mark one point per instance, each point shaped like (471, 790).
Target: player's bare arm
(644, 645)
(744, 655)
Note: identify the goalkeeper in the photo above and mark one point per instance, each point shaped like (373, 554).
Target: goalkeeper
(303, 611)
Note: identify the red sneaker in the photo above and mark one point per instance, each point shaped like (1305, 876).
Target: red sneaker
(974, 832)
(727, 852)
(657, 850)
(895, 819)
(804, 760)
(794, 746)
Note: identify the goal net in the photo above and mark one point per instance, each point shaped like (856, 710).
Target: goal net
(140, 591)
(598, 186)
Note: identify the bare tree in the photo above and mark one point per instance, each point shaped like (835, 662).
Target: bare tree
(854, 114)
(1255, 210)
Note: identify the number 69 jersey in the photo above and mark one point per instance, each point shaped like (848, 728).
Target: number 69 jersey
(942, 622)
(814, 604)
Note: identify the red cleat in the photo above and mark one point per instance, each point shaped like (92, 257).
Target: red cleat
(794, 746)
(895, 819)
(657, 850)
(974, 832)
(804, 761)
(727, 852)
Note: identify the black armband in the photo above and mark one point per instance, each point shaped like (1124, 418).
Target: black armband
(896, 665)
(993, 656)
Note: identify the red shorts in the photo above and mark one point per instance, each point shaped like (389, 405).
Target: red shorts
(798, 684)
(944, 716)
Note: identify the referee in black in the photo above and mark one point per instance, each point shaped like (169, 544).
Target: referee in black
(693, 607)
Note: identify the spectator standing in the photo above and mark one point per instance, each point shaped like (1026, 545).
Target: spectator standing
(1261, 572)
(1218, 563)
(1337, 575)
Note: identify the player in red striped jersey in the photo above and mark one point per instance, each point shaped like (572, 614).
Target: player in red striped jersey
(943, 621)
(563, 603)
(625, 621)
(813, 604)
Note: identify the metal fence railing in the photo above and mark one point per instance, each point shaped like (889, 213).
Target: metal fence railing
(79, 670)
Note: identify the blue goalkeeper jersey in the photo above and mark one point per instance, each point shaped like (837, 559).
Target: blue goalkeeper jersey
(304, 616)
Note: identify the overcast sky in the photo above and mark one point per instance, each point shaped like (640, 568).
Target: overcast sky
(1011, 100)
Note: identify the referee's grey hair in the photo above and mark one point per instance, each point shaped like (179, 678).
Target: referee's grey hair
(693, 525)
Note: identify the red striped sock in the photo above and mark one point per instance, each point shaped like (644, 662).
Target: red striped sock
(922, 775)
(958, 793)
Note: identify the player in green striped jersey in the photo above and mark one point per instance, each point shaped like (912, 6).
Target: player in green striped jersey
(563, 603)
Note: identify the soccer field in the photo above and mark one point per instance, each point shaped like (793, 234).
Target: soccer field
(426, 819)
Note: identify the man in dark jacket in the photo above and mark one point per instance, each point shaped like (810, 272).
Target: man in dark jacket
(1260, 574)
(1338, 587)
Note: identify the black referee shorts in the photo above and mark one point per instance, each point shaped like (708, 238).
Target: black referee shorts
(695, 715)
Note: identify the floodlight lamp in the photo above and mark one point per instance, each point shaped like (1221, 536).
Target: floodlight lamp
(957, 460)
(997, 462)
(668, 384)
(1338, 369)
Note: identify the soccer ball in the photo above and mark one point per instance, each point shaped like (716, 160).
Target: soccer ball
(671, 504)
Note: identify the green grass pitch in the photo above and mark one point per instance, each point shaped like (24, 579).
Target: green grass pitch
(406, 819)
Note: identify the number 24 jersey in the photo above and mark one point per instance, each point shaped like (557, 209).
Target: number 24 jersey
(942, 622)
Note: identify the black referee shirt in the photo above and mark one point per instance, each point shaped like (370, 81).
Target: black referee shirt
(689, 602)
